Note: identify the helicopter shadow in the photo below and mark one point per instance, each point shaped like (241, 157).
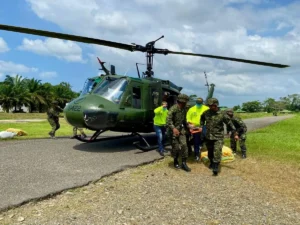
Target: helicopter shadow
(116, 145)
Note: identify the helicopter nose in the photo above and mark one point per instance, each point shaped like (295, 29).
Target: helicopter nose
(99, 119)
(92, 112)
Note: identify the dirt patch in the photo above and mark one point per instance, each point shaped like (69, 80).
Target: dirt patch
(246, 192)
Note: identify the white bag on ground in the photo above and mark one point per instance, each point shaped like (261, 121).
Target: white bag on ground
(6, 134)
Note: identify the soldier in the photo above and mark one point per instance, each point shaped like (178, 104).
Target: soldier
(241, 130)
(176, 122)
(214, 137)
(160, 120)
(193, 118)
(83, 135)
(53, 117)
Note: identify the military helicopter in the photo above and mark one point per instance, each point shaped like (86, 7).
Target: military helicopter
(122, 103)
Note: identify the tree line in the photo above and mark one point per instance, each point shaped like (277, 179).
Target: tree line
(17, 91)
(290, 102)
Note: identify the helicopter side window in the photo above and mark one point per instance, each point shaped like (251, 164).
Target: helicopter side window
(136, 94)
(155, 98)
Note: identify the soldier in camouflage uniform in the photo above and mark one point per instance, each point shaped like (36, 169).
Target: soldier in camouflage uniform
(176, 121)
(241, 130)
(53, 117)
(83, 135)
(214, 137)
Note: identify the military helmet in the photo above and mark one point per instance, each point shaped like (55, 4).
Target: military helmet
(213, 101)
(229, 111)
(183, 98)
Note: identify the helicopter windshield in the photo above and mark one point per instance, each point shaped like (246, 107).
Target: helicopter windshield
(88, 86)
(112, 89)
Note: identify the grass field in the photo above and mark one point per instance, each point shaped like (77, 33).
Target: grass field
(279, 141)
(39, 129)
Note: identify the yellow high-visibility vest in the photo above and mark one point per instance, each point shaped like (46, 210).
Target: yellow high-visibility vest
(194, 114)
(160, 118)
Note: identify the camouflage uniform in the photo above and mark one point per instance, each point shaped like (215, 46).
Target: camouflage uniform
(214, 137)
(53, 118)
(80, 130)
(241, 130)
(177, 119)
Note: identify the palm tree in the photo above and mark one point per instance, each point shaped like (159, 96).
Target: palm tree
(35, 91)
(18, 93)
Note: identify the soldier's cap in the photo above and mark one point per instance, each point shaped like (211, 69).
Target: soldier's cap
(199, 100)
(229, 111)
(212, 101)
(183, 98)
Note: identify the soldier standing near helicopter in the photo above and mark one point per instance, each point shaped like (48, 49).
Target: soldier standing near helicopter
(214, 138)
(241, 129)
(176, 122)
(53, 117)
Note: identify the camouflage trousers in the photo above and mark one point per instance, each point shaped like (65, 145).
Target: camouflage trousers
(242, 141)
(75, 131)
(179, 146)
(214, 148)
(54, 124)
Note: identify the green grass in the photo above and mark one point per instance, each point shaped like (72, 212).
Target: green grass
(253, 115)
(279, 141)
(17, 116)
(39, 129)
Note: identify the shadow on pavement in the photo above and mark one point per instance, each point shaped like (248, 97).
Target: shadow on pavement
(116, 145)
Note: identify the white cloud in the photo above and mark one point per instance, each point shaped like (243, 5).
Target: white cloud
(3, 45)
(270, 33)
(47, 75)
(66, 50)
(14, 68)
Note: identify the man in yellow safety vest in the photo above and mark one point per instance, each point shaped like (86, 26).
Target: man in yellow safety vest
(193, 119)
(160, 120)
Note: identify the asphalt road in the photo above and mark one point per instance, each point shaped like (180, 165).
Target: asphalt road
(34, 169)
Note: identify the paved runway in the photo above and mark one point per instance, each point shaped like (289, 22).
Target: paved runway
(33, 169)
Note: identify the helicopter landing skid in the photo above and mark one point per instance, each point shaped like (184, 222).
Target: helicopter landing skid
(97, 133)
(147, 147)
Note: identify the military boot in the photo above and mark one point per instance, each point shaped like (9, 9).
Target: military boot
(176, 163)
(211, 164)
(215, 168)
(244, 156)
(184, 165)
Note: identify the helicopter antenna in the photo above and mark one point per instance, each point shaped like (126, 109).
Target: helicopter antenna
(126, 72)
(137, 68)
(206, 81)
(107, 72)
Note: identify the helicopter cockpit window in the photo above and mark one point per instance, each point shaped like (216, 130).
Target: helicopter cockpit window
(88, 86)
(112, 89)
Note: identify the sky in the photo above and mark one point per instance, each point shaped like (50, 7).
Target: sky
(262, 30)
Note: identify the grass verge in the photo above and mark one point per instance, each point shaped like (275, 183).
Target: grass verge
(40, 129)
(279, 141)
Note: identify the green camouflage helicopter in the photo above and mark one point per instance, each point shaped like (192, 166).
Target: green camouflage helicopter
(122, 103)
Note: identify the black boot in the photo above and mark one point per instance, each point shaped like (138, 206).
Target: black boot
(211, 164)
(176, 163)
(184, 165)
(215, 169)
(244, 156)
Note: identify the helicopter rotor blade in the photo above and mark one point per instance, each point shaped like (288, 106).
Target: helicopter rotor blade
(227, 58)
(67, 37)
